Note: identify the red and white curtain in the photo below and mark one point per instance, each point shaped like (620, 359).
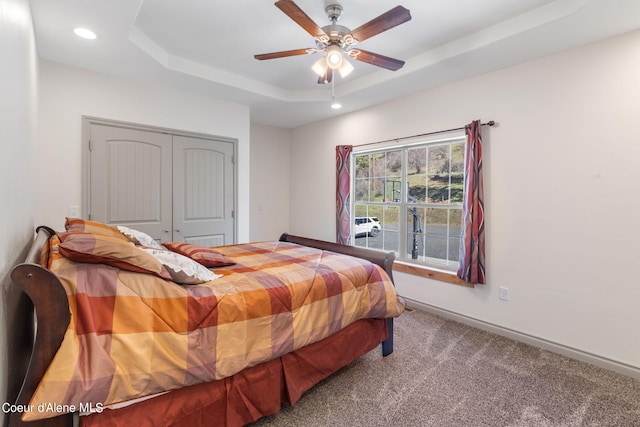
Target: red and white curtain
(343, 193)
(472, 253)
(472, 242)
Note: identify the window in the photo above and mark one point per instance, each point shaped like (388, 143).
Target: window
(415, 194)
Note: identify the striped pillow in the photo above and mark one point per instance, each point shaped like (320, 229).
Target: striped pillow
(205, 256)
(98, 249)
(74, 225)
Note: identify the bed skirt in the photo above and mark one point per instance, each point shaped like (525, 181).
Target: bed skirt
(252, 393)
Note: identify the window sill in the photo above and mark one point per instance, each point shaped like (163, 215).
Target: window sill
(430, 273)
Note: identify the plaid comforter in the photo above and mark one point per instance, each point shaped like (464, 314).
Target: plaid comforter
(134, 334)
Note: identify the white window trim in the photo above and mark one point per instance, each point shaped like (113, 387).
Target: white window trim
(434, 266)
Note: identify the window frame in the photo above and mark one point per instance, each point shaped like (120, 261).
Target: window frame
(435, 268)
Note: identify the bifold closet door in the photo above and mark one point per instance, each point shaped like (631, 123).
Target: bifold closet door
(203, 191)
(174, 188)
(131, 181)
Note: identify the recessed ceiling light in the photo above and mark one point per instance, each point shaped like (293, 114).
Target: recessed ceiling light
(336, 106)
(85, 34)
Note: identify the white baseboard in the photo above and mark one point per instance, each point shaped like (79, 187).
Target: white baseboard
(603, 362)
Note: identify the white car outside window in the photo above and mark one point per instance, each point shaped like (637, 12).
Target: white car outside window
(367, 225)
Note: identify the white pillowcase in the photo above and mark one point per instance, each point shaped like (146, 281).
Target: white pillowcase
(182, 269)
(139, 238)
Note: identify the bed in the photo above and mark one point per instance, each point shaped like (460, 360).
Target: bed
(223, 352)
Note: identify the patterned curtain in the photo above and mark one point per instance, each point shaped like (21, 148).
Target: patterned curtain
(472, 252)
(343, 192)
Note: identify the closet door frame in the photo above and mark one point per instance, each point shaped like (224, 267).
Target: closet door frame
(88, 121)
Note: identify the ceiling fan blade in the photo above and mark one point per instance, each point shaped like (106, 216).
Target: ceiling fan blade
(294, 12)
(281, 54)
(384, 22)
(379, 60)
(326, 78)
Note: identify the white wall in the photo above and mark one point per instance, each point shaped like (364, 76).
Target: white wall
(18, 163)
(562, 179)
(270, 147)
(68, 93)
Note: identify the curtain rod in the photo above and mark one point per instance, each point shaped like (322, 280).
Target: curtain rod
(489, 123)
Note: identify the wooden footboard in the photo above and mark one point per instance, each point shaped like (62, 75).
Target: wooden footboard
(52, 314)
(383, 259)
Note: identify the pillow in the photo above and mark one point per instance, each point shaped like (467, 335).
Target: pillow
(182, 269)
(205, 256)
(98, 249)
(93, 227)
(139, 238)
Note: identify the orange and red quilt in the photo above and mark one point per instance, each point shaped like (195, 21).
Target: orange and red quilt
(133, 334)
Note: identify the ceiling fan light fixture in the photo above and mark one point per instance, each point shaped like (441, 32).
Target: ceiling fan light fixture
(349, 40)
(320, 66)
(334, 39)
(334, 57)
(345, 69)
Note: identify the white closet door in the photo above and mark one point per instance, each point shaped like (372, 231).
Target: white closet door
(131, 179)
(203, 196)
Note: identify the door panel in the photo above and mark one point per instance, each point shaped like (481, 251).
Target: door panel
(130, 179)
(203, 191)
(134, 182)
(203, 184)
(174, 188)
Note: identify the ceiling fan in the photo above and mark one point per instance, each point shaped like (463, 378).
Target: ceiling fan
(336, 39)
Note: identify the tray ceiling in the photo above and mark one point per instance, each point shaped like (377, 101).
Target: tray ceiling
(208, 46)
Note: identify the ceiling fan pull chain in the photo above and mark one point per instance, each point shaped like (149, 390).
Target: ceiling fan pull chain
(333, 94)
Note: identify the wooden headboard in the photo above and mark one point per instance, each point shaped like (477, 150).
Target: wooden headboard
(44, 290)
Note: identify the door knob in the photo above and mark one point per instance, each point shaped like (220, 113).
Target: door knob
(166, 231)
(177, 230)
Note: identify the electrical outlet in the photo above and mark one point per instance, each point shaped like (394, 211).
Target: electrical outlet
(503, 294)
